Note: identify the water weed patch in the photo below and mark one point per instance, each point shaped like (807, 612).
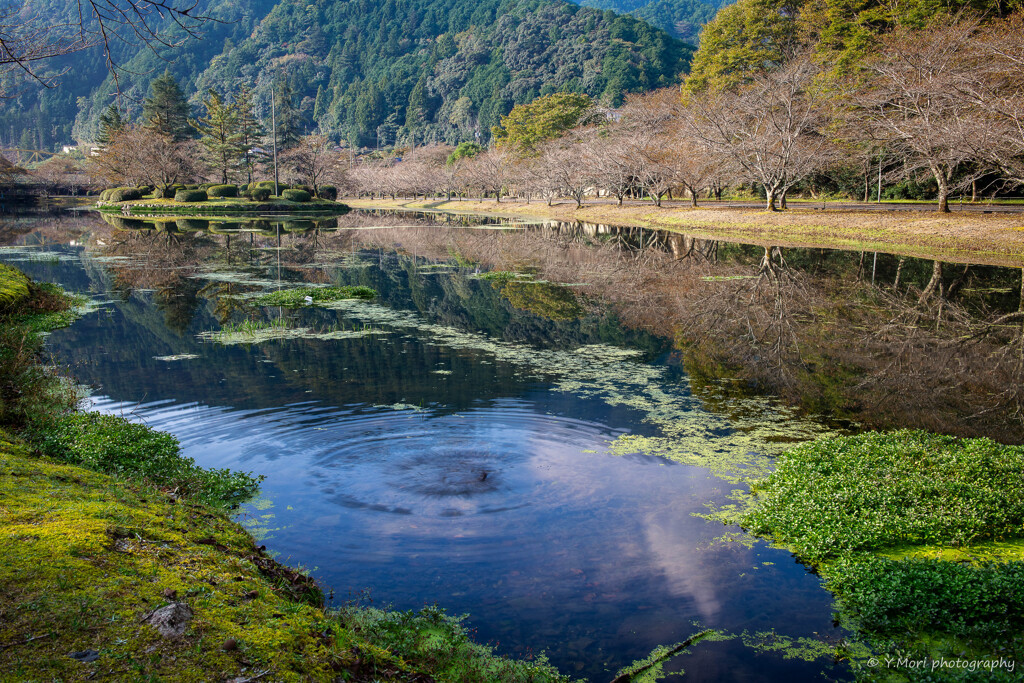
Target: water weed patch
(918, 537)
(878, 490)
(308, 296)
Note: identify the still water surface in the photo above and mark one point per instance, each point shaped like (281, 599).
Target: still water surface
(441, 445)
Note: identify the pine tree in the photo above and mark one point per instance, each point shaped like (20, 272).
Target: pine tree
(251, 130)
(111, 123)
(289, 126)
(165, 109)
(219, 135)
(322, 103)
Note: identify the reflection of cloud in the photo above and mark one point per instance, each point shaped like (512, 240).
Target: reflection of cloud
(689, 571)
(669, 539)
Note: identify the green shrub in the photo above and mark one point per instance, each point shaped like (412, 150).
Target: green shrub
(270, 183)
(190, 196)
(113, 445)
(880, 490)
(223, 191)
(243, 188)
(124, 194)
(328, 192)
(295, 195)
(260, 194)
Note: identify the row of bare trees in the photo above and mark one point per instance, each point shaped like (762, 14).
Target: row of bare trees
(945, 103)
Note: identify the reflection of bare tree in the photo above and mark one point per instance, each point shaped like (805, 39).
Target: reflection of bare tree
(922, 351)
(817, 335)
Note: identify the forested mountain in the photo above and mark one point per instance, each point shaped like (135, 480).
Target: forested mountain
(682, 19)
(369, 72)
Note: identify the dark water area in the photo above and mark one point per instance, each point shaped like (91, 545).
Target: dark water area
(530, 450)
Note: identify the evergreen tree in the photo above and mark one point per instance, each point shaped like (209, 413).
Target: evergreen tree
(322, 104)
(111, 123)
(250, 129)
(219, 135)
(289, 124)
(165, 109)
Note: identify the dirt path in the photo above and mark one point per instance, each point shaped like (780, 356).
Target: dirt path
(967, 237)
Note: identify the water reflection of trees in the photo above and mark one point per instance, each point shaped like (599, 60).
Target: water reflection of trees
(875, 338)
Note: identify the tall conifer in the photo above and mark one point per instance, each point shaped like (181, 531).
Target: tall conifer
(219, 135)
(165, 109)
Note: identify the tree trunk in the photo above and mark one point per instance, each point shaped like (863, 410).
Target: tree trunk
(943, 183)
(782, 200)
(770, 195)
(693, 198)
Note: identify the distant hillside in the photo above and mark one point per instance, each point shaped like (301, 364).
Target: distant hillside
(379, 71)
(681, 19)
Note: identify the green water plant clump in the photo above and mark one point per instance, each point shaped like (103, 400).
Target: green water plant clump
(878, 490)
(190, 196)
(296, 195)
(296, 298)
(432, 641)
(918, 535)
(979, 608)
(113, 445)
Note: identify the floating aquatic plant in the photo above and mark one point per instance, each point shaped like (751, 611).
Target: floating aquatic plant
(308, 296)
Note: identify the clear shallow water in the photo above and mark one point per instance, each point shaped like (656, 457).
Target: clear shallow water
(464, 454)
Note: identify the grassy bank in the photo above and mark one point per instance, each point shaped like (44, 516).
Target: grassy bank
(919, 536)
(992, 239)
(120, 561)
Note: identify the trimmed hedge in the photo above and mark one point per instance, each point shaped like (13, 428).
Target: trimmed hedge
(296, 195)
(260, 194)
(124, 194)
(190, 196)
(223, 191)
(328, 192)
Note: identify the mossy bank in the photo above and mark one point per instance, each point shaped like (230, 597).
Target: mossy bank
(120, 561)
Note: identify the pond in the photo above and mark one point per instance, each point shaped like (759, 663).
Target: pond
(527, 421)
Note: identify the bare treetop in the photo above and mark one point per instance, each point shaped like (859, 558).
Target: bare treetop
(29, 37)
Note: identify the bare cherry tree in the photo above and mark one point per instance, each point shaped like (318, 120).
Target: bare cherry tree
(773, 130)
(312, 161)
(491, 171)
(998, 92)
(139, 156)
(914, 103)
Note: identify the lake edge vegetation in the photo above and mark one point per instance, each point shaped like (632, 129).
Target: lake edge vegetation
(917, 535)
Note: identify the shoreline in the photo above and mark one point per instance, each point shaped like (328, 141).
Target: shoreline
(967, 238)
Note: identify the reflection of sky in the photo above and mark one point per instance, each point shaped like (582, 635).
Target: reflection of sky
(593, 557)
